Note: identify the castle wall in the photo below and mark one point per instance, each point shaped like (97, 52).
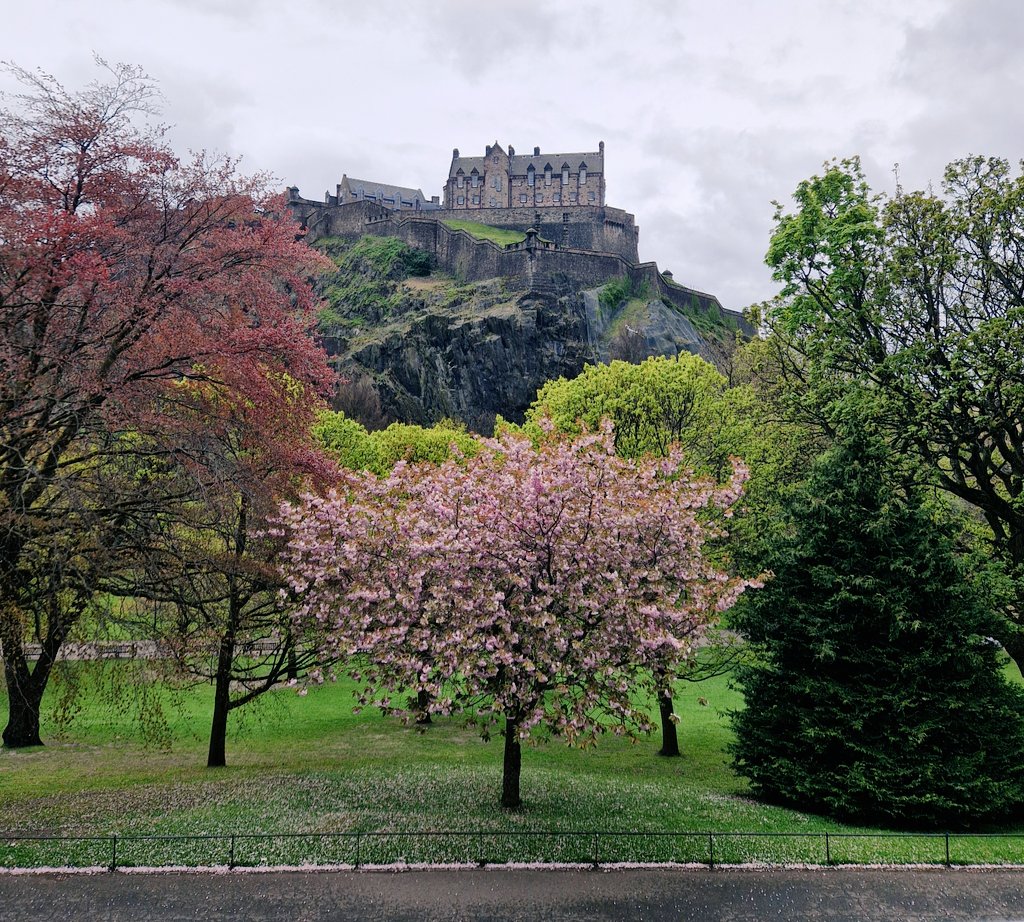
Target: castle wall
(604, 229)
(570, 195)
(561, 269)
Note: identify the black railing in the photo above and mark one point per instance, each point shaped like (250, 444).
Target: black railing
(489, 847)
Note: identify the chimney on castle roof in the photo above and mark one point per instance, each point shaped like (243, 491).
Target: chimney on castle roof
(455, 152)
(600, 146)
(536, 152)
(511, 150)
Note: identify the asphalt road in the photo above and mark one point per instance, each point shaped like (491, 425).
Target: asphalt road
(551, 895)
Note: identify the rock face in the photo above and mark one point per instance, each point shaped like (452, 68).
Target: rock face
(642, 327)
(433, 348)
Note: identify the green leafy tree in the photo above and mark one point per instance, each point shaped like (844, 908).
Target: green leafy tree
(916, 302)
(684, 401)
(877, 692)
(378, 452)
(208, 560)
(654, 404)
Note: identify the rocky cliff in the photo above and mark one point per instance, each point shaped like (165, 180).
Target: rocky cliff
(417, 346)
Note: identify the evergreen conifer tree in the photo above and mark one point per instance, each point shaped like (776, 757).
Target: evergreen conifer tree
(877, 692)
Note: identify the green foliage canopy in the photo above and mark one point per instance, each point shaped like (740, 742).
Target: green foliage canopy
(353, 447)
(685, 400)
(915, 304)
(877, 691)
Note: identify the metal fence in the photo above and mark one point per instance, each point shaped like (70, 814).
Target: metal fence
(487, 847)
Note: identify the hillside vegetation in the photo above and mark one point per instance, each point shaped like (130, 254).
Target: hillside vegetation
(423, 345)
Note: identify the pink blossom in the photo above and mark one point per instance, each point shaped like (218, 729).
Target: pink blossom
(543, 584)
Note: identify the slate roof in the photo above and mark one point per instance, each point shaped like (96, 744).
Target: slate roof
(383, 190)
(593, 159)
(467, 164)
(520, 163)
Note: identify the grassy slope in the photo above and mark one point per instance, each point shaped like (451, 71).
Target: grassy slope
(311, 765)
(499, 235)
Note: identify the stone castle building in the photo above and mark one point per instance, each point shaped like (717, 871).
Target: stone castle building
(395, 198)
(505, 179)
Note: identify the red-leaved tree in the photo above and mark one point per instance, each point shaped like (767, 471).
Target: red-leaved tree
(206, 558)
(123, 272)
(541, 586)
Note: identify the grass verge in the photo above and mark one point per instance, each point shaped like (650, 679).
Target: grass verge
(309, 781)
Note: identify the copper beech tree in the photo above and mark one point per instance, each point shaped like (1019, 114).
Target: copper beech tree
(124, 271)
(538, 586)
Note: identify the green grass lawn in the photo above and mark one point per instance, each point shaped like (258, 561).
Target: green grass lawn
(498, 235)
(309, 765)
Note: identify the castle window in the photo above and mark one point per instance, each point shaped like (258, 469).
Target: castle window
(531, 175)
(462, 200)
(458, 181)
(476, 199)
(476, 179)
(572, 198)
(523, 198)
(556, 198)
(565, 174)
(540, 198)
(493, 202)
(583, 174)
(547, 175)
(590, 196)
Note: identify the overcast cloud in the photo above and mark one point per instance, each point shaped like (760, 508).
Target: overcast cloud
(709, 111)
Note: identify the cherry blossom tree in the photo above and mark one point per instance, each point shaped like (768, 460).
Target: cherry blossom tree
(123, 272)
(539, 586)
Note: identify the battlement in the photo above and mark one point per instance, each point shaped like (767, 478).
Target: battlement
(574, 239)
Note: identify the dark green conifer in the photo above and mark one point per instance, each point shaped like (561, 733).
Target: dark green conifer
(877, 692)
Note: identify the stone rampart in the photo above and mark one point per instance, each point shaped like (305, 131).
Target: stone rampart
(557, 268)
(599, 228)
(583, 227)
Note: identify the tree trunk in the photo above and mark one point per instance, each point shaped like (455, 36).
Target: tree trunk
(25, 687)
(217, 757)
(669, 737)
(510, 799)
(24, 700)
(422, 707)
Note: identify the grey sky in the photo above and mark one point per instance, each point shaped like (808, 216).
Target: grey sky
(709, 111)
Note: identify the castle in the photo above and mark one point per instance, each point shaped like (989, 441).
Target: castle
(560, 196)
(571, 237)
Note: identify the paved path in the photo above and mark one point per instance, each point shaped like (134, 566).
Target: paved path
(550, 895)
